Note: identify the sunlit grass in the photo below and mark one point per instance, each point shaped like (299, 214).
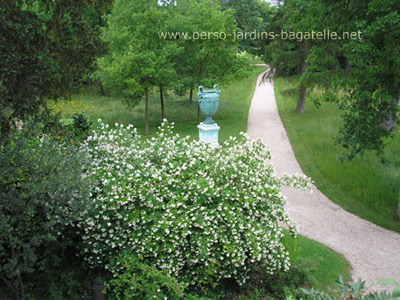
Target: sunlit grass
(325, 264)
(231, 116)
(329, 265)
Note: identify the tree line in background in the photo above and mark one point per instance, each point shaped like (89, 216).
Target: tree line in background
(361, 75)
(49, 47)
(139, 60)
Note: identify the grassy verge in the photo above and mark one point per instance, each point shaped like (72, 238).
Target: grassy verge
(231, 116)
(364, 186)
(329, 265)
(323, 264)
(313, 265)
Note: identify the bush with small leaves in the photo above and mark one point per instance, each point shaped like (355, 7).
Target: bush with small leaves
(201, 214)
(44, 190)
(138, 280)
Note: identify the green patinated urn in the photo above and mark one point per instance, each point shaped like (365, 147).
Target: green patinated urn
(209, 102)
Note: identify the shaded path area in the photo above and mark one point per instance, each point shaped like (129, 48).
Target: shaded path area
(373, 252)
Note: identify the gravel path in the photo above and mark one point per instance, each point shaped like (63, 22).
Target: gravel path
(373, 252)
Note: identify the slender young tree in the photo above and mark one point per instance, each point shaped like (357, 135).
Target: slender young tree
(138, 59)
(205, 60)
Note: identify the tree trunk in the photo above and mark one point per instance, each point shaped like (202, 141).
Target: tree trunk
(301, 103)
(198, 113)
(191, 96)
(9, 285)
(348, 67)
(162, 104)
(146, 112)
(390, 122)
(102, 89)
(21, 284)
(398, 207)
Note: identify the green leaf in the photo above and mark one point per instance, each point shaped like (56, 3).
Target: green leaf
(396, 292)
(388, 282)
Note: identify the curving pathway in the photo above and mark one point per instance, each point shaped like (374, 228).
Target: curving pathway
(373, 252)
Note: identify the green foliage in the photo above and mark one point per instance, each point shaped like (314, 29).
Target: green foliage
(396, 291)
(137, 59)
(362, 73)
(201, 216)
(353, 290)
(44, 192)
(251, 16)
(286, 56)
(46, 47)
(67, 280)
(365, 71)
(285, 284)
(81, 125)
(21, 49)
(205, 61)
(139, 280)
(313, 264)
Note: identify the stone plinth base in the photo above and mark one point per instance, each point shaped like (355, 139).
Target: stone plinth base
(209, 134)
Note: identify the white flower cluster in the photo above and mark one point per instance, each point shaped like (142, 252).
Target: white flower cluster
(202, 214)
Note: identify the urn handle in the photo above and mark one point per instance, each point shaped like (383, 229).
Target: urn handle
(216, 87)
(200, 93)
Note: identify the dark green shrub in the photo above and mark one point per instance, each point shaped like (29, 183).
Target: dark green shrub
(43, 193)
(139, 280)
(66, 280)
(81, 125)
(282, 285)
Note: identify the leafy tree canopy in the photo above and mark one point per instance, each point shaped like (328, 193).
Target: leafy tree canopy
(250, 16)
(206, 61)
(365, 70)
(46, 46)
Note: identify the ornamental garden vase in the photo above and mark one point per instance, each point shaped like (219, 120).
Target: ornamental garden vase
(209, 102)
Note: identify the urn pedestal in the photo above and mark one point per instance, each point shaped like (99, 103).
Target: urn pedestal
(209, 134)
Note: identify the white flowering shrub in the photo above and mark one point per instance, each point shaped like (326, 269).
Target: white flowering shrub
(202, 214)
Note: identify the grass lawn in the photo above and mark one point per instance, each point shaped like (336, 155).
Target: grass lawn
(364, 186)
(329, 264)
(231, 116)
(326, 265)
(257, 61)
